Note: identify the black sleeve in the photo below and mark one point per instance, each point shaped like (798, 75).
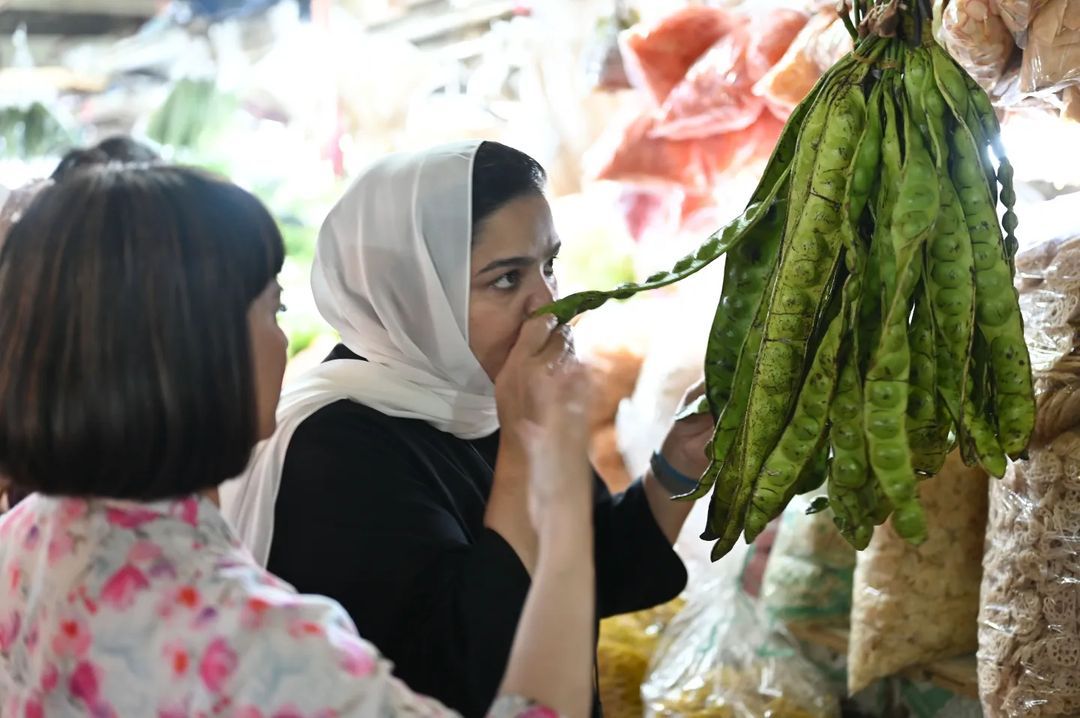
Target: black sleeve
(360, 518)
(636, 567)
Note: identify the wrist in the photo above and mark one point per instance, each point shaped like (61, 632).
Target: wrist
(565, 537)
(674, 481)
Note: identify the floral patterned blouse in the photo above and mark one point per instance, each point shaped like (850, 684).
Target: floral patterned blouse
(114, 609)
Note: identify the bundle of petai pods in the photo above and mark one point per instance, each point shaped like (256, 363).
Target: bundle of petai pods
(868, 322)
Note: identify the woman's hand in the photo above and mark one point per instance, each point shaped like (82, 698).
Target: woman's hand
(522, 397)
(541, 346)
(560, 484)
(684, 447)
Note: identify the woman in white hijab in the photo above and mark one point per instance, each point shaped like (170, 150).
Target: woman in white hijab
(388, 484)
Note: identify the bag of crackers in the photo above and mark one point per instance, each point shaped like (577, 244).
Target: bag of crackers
(1029, 622)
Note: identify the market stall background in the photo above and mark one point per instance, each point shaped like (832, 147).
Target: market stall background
(654, 119)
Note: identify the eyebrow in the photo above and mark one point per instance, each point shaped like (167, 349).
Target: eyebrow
(518, 262)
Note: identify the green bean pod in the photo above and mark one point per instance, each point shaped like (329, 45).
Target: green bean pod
(914, 217)
(719, 243)
(879, 279)
(849, 515)
(927, 425)
(726, 447)
(815, 472)
(997, 310)
(984, 111)
(808, 265)
(746, 274)
(984, 444)
(865, 167)
(802, 436)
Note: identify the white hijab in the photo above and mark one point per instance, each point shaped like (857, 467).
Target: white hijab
(391, 275)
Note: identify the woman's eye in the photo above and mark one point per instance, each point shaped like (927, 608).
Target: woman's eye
(549, 267)
(282, 309)
(506, 281)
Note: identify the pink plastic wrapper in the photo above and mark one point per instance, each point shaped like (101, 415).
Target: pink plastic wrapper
(632, 153)
(1029, 623)
(658, 56)
(1052, 55)
(715, 96)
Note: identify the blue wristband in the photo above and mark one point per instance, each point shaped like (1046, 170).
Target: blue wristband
(674, 481)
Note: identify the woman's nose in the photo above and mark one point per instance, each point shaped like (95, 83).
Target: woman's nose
(542, 295)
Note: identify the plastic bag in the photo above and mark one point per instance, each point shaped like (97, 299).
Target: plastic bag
(715, 96)
(977, 37)
(719, 659)
(809, 576)
(771, 34)
(818, 45)
(918, 604)
(1017, 15)
(1029, 625)
(658, 55)
(623, 652)
(1052, 55)
(631, 152)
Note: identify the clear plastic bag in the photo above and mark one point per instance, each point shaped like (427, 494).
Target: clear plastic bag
(624, 649)
(913, 605)
(809, 576)
(1052, 55)
(1029, 623)
(977, 37)
(1017, 15)
(718, 658)
(821, 42)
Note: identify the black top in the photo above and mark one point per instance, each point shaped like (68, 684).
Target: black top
(386, 515)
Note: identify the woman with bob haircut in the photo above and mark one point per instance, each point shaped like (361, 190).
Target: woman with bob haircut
(140, 362)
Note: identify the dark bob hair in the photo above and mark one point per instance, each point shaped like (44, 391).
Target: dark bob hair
(501, 174)
(121, 149)
(126, 368)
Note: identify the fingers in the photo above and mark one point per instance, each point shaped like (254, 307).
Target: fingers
(535, 335)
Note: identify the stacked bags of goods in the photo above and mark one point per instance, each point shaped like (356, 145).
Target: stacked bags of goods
(1029, 623)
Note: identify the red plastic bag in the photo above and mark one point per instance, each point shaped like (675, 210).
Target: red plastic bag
(734, 151)
(632, 154)
(715, 95)
(658, 56)
(771, 34)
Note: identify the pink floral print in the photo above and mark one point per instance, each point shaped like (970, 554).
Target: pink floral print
(112, 609)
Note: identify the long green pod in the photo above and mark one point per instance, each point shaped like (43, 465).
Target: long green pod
(808, 264)
(786, 148)
(801, 437)
(725, 447)
(730, 419)
(980, 106)
(949, 276)
(978, 412)
(881, 266)
(865, 167)
(914, 217)
(815, 472)
(997, 309)
(718, 244)
(927, 424)
(746, 275)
